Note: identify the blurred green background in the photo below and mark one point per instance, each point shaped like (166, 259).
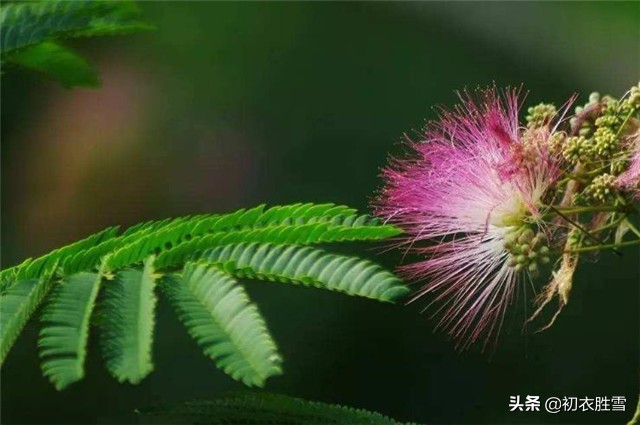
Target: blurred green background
(227, 105)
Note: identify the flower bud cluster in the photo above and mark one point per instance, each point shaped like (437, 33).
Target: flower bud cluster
(606, 142)
(586, 128)
(527, 250)
(626, 106)
(577, 148)
(598, 139)
(599, 148)
(556, 141)
(540, 115)
(634, 97)
(608, 121)
(601, 190)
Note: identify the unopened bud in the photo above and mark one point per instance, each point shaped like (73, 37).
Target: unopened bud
(525, 236)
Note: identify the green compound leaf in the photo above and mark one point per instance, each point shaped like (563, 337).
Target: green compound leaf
(63, 338)
(340, 229)
(17, 305)
(261, 409)
(308, 266)
(29, 31)
(217, 313)
(90, 258)
(304, 224)
(25, 24)
(203, 254)
(33, 269)
(141, 240)
(58, 62)
(128, 322)
(298, 223)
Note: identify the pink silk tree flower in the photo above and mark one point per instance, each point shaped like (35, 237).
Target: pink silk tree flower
(630, 179)
(469, 198)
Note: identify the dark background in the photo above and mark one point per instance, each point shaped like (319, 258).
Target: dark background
(227, 105)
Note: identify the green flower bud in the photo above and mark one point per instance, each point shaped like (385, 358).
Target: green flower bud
(634, 97)
(511, 238)
(576, 148)
(540, 115)
(525, 236)
(608, 121)
(606, 142)
(538, 240)
(601, 189)
(556, 140)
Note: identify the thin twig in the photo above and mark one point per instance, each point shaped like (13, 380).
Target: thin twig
(583, 230)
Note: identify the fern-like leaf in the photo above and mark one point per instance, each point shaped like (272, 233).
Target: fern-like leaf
(27, 23)
(269, 244)
(297, 223)
(17, 305)
(253, 408)
(179, 241)
(90, 258)
(217, 313)
(63, 338)
(34, 269)
(56, 61)
(148, 237)
(308, 266)
(301, 234)
(128, 322)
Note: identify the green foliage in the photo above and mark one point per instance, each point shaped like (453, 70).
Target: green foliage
(338, 230)
(305, 224)
(42, 266)
(297, 223)
(217, 313)
(16, 307)
(58, 62)
(127, 323)
(63, 338)
(196, 260)
(28, 23)
(308, 266)
(253, 408)
(27, 31)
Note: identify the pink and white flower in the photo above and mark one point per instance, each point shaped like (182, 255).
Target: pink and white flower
(630, 179)
(474, 181)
